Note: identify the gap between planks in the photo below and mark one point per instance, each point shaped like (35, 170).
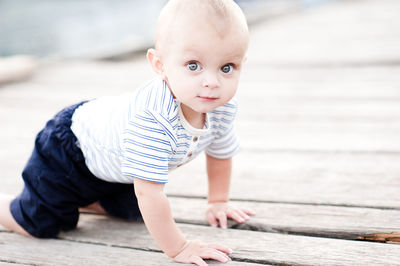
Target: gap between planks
(257, 247)
(251, 246)
(19, 250)
(236, 199)
(368, 224)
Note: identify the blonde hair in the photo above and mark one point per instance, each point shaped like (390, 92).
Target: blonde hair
(220, 14)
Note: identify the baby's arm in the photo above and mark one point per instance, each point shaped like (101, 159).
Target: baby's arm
(157, 216)
(219, 176)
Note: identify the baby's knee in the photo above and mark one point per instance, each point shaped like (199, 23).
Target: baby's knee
(6, 217)
(39, 219)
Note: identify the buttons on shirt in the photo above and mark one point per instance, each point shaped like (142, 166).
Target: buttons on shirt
(192, 147)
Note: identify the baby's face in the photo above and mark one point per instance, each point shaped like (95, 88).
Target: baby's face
(202, 68)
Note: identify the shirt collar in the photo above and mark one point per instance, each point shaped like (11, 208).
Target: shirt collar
(192, 130)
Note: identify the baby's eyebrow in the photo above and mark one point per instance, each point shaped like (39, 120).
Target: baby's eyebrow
(234, 56)
(236, 60)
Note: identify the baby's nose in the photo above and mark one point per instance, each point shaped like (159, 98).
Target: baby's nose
(211, 80)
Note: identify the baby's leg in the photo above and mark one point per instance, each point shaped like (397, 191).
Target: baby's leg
(6, 219)
(122, 203)
(93, 208)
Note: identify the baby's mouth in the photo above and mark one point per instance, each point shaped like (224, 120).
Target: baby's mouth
(206, 98)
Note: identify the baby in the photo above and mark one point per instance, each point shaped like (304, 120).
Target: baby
(91, 153)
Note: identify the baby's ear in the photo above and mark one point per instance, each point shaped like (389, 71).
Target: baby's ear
(155, 61)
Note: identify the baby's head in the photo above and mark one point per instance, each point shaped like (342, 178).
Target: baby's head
(200, 46)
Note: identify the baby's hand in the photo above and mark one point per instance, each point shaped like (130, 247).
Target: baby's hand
(196, 251)
(221, 211)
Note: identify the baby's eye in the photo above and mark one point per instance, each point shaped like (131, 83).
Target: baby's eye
(193, 66)
(227, 69)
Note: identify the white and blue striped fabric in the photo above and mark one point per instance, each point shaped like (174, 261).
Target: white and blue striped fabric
(145, 135)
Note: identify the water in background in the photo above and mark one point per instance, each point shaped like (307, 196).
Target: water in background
(95, 28)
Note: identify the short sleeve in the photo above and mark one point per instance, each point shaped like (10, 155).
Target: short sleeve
(225, 146)
(146, 149)
(226, 142)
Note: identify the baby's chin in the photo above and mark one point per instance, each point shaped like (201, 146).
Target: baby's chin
(206, 109)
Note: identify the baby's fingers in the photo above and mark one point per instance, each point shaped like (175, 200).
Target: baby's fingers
(248, 212)
(198, 261)
(214, 254)
(238, 216)
(223, 220)
(187, 258)
(221, 248)
(212, 220)
(243, 214)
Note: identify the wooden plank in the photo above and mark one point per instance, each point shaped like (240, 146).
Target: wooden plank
(5, 263)
(319, 103)
(69, 77)
(298, 109)
(251, 246)
(370, 82)
(333, 137)
(342, 179)
(325, 221)
(19, 250)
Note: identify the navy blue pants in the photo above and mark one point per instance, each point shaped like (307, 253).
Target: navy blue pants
(58, 182)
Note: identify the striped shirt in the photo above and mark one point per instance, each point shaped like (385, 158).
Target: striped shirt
(145, 135)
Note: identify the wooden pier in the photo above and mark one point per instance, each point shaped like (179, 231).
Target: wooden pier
(319, 123)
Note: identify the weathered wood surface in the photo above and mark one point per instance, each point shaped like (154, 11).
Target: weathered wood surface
(4, 263)
(290, 177)
(319, 122)
(259, 247)
(299, 219)
(18, 250)
(332, 178)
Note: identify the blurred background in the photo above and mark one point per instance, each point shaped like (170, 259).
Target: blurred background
(99, 28)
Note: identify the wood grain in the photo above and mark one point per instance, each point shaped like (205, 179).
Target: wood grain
(258, 247)
(324, 221)
(18, 250)
(322, 178)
